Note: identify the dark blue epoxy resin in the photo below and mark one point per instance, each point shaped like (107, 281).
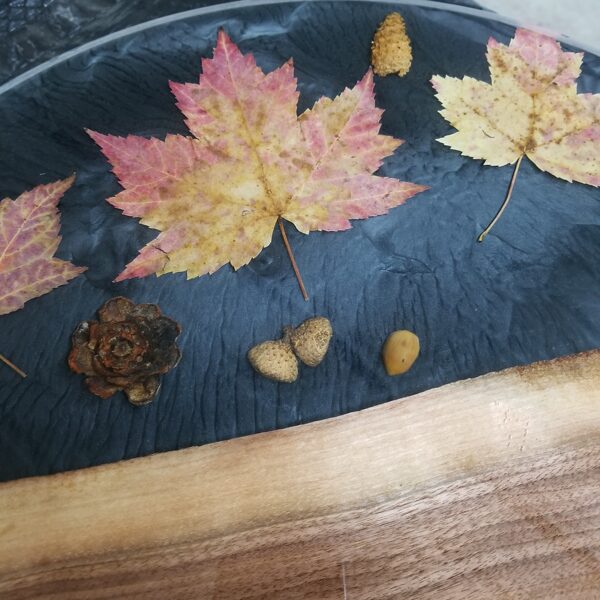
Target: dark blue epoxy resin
(531, 291)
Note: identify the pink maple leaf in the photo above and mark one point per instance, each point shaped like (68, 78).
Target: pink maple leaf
(216, 197)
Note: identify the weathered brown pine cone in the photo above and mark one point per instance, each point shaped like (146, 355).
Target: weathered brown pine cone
(127, 349)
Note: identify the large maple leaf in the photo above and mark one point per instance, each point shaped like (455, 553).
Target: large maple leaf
(216, 197)
(531, 108)
(29, 228)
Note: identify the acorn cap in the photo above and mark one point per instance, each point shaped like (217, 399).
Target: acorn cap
(310, 340)
(391, 51)
(274, 360)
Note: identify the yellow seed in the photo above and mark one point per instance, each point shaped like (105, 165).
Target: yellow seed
(400, 352)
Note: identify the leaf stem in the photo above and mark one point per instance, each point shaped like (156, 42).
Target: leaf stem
(511, 185)
(292, 259)
(12, 366)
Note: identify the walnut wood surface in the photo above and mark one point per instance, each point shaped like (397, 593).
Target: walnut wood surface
(487, 488)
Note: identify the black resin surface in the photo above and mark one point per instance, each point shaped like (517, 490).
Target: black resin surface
(530, 292)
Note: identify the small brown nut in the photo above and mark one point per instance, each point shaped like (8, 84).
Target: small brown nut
(391, 51)
(274, 360)
(310, 340)
(400, 352)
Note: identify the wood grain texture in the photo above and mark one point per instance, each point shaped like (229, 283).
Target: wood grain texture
(487, 488)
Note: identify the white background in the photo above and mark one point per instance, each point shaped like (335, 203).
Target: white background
(578, 19)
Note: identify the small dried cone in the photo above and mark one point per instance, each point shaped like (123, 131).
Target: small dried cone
(310, 340)
(274, 360)
(391, 51)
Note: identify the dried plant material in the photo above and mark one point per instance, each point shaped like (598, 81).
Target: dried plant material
(274, 360)
(531, 108)
(400, 351)
(277, 360)
(127, 349)
(12, 365)
(216, 197)
(391, 51)
(310, 340)
(29, 228)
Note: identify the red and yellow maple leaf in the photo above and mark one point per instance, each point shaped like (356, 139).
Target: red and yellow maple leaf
(531, 108)
(29, 228)
(216, 197)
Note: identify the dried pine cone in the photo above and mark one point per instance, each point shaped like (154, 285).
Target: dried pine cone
(391, 51)
(126, 349)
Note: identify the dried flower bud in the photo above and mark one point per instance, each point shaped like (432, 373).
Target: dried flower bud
(391, 51)
(126, 349)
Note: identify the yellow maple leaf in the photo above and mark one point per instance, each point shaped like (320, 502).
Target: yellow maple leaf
(252, 162)
(531, 108)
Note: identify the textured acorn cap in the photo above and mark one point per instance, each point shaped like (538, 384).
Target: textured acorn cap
(310, 340)
(274, 360)
(391, 51)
